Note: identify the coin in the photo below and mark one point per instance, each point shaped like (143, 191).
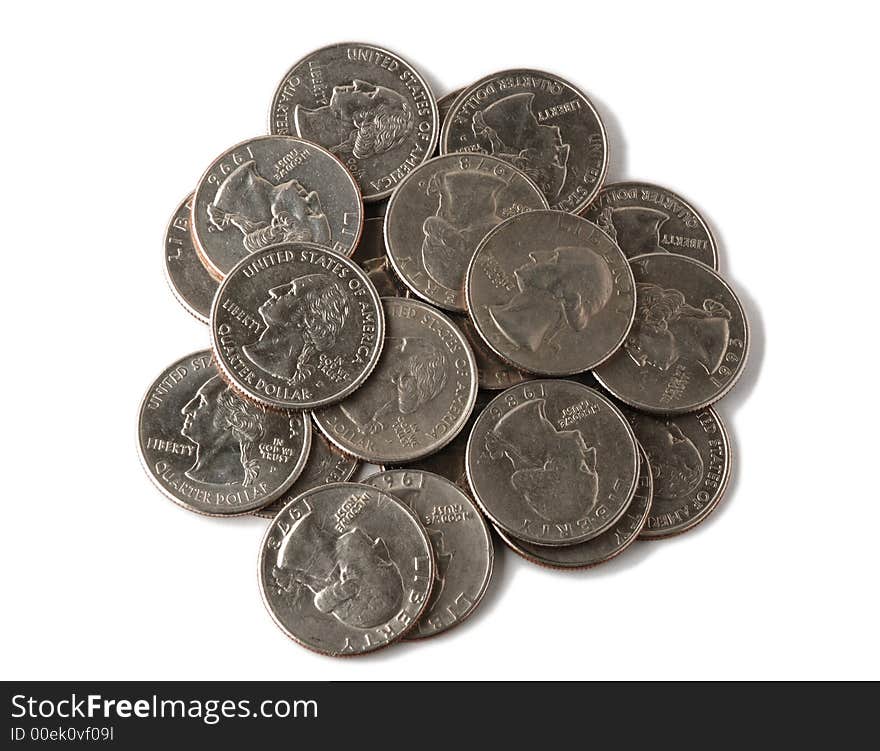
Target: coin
(270, 190)
(345, 569)
(600, 549)
(538, 122)
(441, 211)
(552, 462)
(550, 293)
(449, 462)
(418, 398)
(460, 538)
(211, 451)
(644, 218)
(689, 341)
(324, 466)
(493, 373)
(297, 326)
(190, 282)
(371, 257)
(690, 462)
(366, 105)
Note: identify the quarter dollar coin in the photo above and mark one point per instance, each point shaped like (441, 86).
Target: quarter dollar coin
(552, 462)
(297, 326)
(271, 190)
(689, 342)
(346, 569)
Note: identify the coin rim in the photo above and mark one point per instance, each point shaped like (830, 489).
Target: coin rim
(695, 521)
(272, 497)
(414, 634)
(606, 148)
(310, 405)
(432, 147)
(571, 540)
(747, 337)
(506, 358)
(430, 575)
(395, 198)
(716, 261)
(203, 253)
(472, 397)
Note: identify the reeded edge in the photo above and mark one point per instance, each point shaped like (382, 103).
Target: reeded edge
(372, 197)
(660, 188)
(606, 150)
(273, 496)
(353, 386)
(506, 358)
(472, 399)
(262, 511)
(647, 536)
(414, 634)
(197, 243)
(572, 540)
(393, 201)
(528, 555)
(714, 399)
(431, 572)
(178, 295)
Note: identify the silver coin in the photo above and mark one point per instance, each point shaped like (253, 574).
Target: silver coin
(449, 462)
(297, 326)
(366, 105)
(541, 124)
(211, 451)
(441, 211)
(600, 549)
(346, 569)
(418, 398)
(325, 465)
(493, 373)
(189, 280)
(688, 344)
(460, 537)
(552, 462)
(644, 218)
(370, 255)
(551, 293)
(690, 462)
(270, 190)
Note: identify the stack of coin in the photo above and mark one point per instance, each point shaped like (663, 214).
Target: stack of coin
(449, 291)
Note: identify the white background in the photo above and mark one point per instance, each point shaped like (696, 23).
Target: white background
(765, 117)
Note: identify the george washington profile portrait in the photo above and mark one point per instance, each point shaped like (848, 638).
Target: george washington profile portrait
(509, 130)
(554, 472)
(267, 214)
(668, 330)
(361, 121)
(226, 430)
(303, 318)
(349, 576)
(411, 372)
(558, 290)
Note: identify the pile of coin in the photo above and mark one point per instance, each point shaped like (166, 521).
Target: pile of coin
(371, 272)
